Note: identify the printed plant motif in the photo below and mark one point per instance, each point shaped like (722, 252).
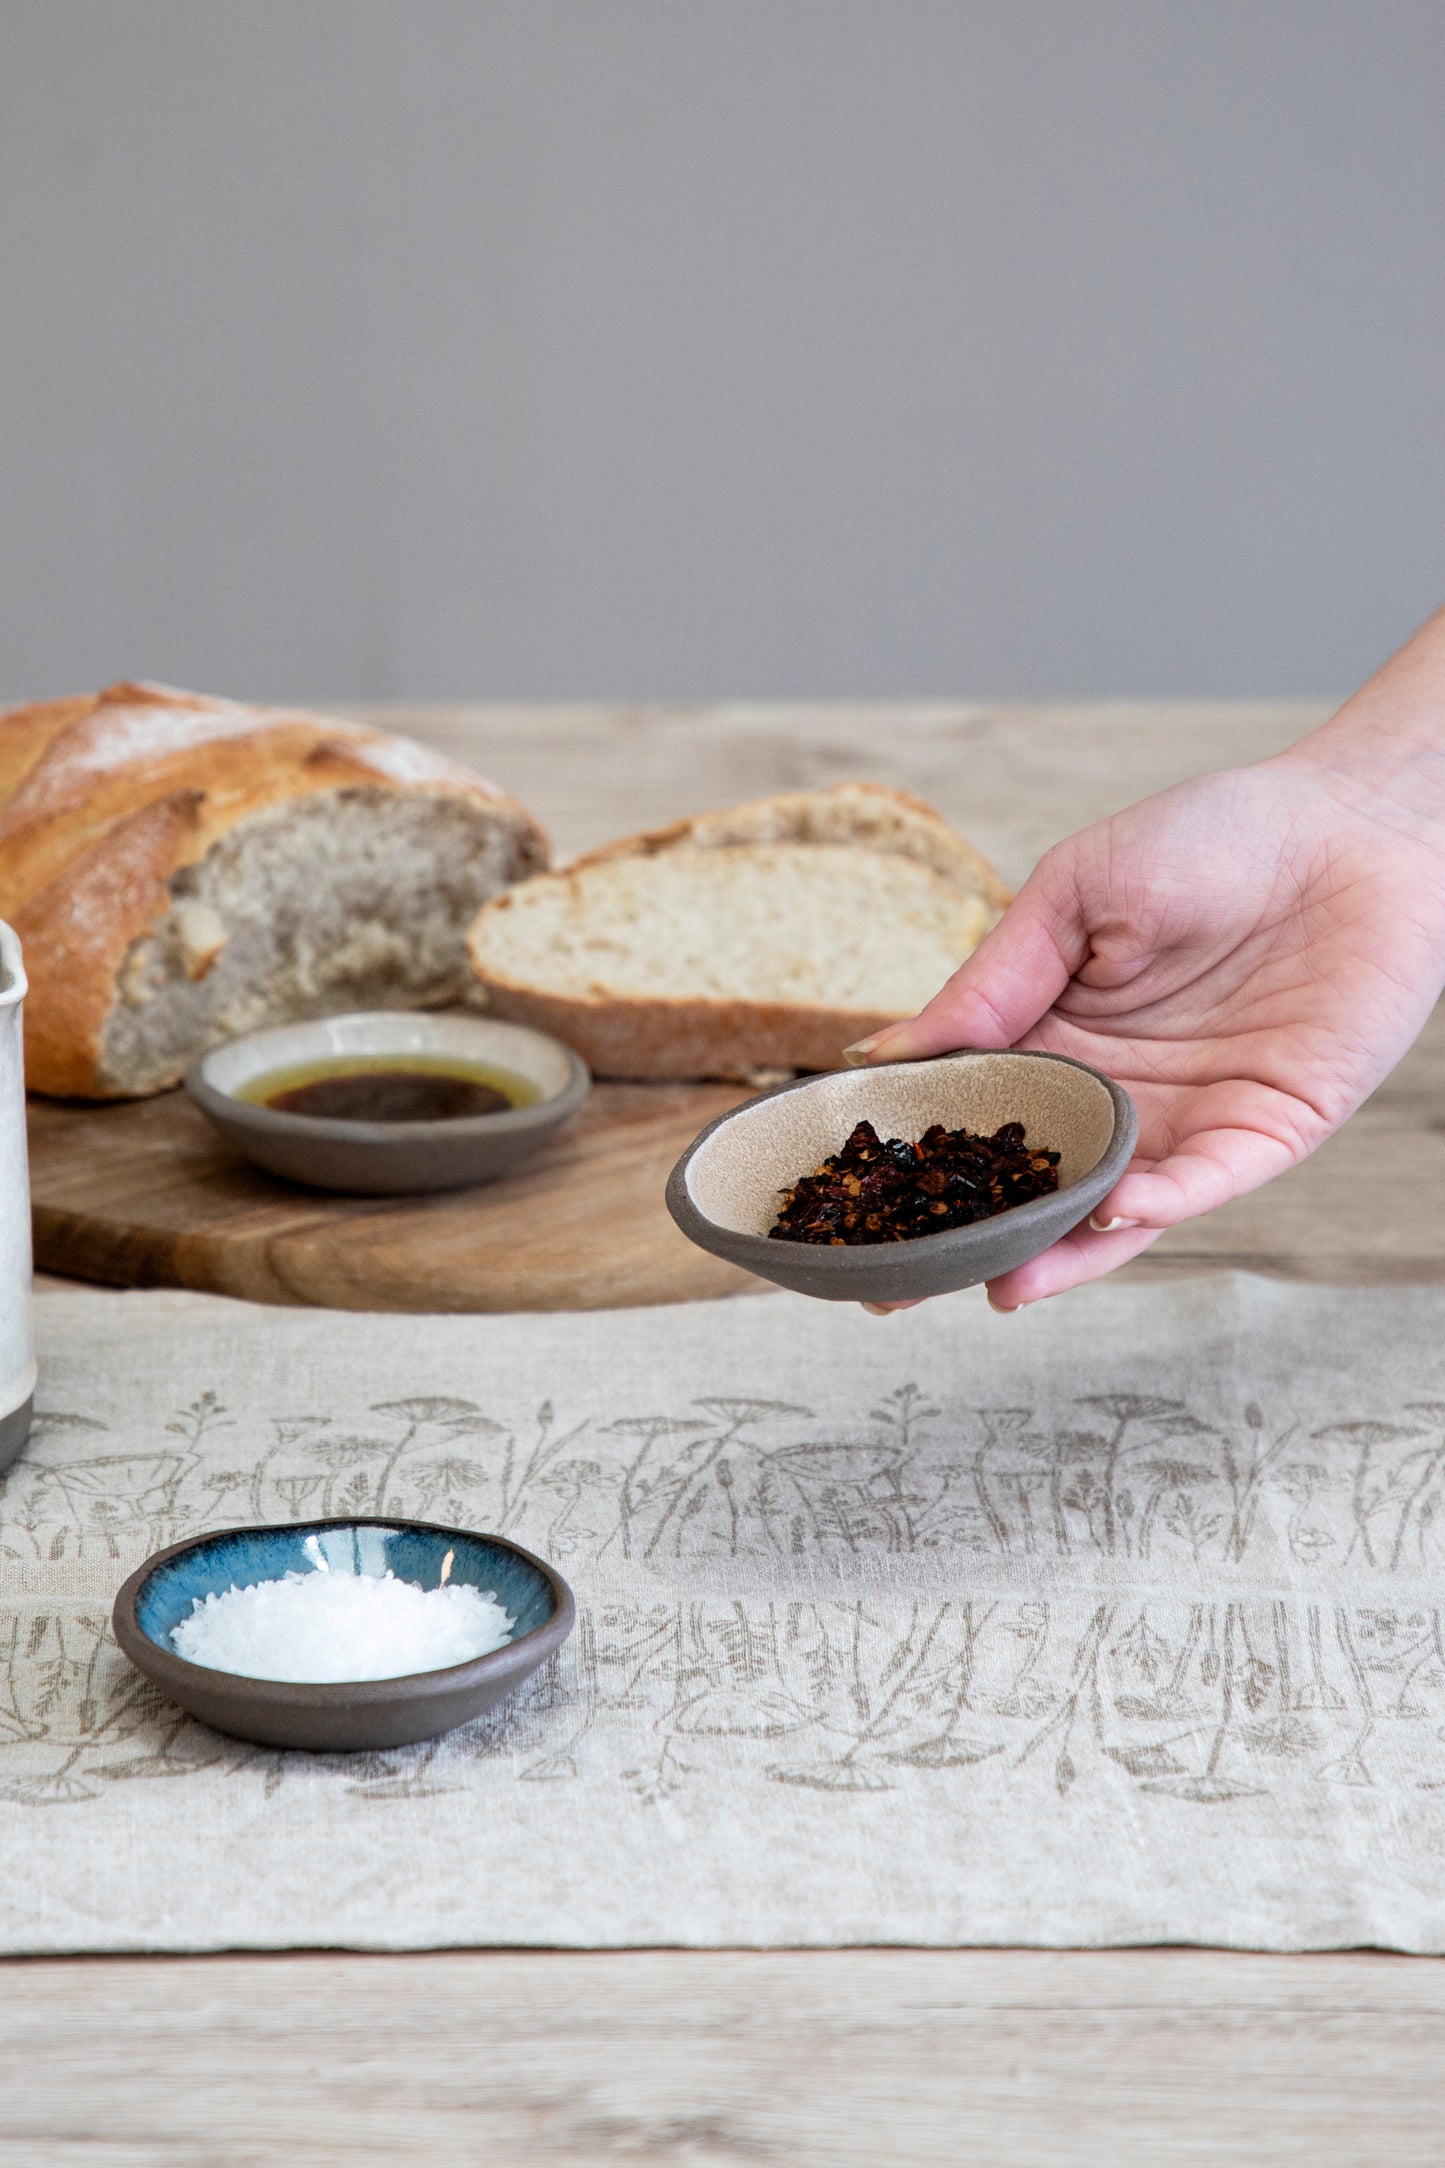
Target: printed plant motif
(835, 1607)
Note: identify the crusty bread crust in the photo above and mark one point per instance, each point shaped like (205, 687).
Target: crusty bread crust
(677, 1039)
(26, 732)
(75, 935)
(873, 816)
(134, 744)
(660, 1037)
(103, 800)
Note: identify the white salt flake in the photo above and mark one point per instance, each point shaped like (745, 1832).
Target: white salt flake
(321, 1628)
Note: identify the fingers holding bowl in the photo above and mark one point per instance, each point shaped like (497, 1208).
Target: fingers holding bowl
(1081, 1256)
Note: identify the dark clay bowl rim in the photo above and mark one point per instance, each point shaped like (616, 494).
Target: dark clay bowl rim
(225, 1109)
(857, 1259)
(170, 1669)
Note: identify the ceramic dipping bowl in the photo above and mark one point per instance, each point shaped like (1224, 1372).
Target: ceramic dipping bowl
(725, 1190)
(382, 1159)
(357, 1713)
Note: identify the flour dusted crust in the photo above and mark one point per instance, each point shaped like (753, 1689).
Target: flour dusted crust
(661, 1032)
(93, 762)
(110, 804)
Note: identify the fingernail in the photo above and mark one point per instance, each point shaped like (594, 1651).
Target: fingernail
(876, 1309)
(856, 1057)
(1005, 1309)
(1110, 1226)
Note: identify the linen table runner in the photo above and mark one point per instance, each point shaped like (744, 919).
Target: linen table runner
(1117, 1621)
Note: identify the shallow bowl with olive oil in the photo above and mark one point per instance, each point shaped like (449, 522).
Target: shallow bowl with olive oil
(390, 1102)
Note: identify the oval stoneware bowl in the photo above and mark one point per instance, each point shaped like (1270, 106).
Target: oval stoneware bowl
(725, 1190)
(382, 1159)
(355, 1713)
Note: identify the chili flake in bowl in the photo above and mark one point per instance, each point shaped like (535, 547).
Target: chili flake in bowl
(768, 1187)
(894, 1192)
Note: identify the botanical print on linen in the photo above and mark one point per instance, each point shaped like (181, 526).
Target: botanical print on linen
(807, 1598)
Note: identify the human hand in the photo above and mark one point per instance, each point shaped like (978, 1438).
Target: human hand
(1247, 954)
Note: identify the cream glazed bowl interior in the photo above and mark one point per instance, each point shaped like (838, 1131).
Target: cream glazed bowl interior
(377, 1159)
(725, 1191)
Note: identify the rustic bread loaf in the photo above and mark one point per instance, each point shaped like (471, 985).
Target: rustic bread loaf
(764, 936)
(181, 869)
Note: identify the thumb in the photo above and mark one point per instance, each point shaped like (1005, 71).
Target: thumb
(1013, 977)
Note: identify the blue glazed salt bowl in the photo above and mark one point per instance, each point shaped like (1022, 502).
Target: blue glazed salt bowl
(357, 1713)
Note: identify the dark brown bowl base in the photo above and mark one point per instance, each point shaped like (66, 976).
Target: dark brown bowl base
(359, 1724)
(352, 1715)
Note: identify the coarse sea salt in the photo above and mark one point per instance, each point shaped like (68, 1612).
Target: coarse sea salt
(322, 1628)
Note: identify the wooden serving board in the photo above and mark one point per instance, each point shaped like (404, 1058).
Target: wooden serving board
(146, 1195)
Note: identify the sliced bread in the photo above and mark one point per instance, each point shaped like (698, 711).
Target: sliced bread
(763, 936)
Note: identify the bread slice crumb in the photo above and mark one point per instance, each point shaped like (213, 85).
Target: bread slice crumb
(761, 938)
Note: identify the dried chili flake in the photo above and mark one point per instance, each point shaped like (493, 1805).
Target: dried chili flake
(876, 1192)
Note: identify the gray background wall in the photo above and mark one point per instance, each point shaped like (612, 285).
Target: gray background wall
(682, 348)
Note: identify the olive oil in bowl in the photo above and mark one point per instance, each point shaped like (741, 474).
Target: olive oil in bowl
(400, 1087)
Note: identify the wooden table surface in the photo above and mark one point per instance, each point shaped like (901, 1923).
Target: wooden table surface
(884, 2057)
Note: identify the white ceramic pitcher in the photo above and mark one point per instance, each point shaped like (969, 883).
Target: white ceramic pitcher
(17, 1343)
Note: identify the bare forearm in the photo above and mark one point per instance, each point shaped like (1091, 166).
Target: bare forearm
(1383, 754)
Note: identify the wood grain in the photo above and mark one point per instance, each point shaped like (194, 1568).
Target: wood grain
(146, 1195)
(725, 2059)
